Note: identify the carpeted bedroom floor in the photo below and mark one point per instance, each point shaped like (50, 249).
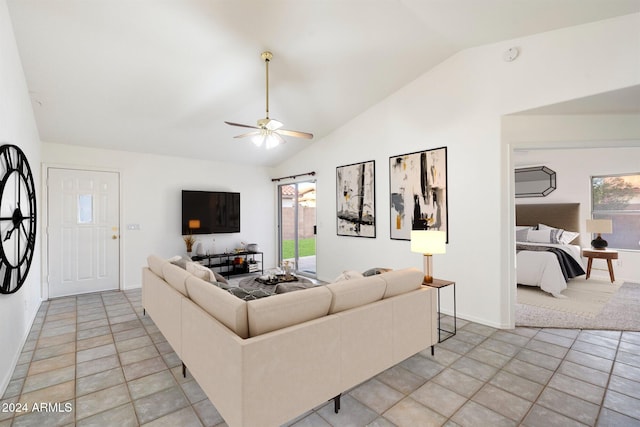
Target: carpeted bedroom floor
(621, 312)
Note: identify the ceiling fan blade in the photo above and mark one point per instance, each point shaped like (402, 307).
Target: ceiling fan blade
(295, 133)
(241, 125)
(244, 135)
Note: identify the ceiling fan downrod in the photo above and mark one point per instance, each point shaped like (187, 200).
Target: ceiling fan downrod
(266, 57)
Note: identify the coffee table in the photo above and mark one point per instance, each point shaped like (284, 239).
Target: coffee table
(279, 288)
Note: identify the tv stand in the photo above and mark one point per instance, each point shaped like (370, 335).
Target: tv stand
(234, 263)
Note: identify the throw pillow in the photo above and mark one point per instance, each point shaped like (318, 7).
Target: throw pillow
(221, 285)
(201, 272)
(348, 274)
(220, 278)
(374, 271)
(249, 294)
(179, 261)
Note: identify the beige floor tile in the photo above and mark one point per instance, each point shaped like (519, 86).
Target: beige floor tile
(54, 350)
(56, 393)
(145, 367)
(138, 354)
(408, 412)
(49, 378)
(121, 416)
(52, 363)
(151, 384)
(100, 401)
(56, 340)
(98, 341)
(99, 381)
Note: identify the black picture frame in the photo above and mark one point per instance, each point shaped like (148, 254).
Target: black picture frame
(418, 190)
(356, 199)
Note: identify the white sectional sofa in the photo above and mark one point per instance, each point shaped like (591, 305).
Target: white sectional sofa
(267, 361)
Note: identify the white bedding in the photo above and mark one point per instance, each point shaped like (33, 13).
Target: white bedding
(542, 269)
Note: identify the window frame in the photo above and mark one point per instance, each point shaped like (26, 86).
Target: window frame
(593, 211)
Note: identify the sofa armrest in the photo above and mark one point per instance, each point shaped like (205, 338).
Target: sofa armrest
(213, 355)
(162, 303)
(415, 322)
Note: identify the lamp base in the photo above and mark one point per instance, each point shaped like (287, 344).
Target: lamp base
(428, 269)
(599, 243)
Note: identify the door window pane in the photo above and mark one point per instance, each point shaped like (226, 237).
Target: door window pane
(85, 208)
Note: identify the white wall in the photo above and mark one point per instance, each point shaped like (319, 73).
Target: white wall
(459, 104)
(17, 126)
(151, 197)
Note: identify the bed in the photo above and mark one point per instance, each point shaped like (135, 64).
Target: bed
(548, 245)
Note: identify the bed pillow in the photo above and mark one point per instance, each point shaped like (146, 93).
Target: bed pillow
(522, 235)
(556, 233)
(544, 236)
(568, 237)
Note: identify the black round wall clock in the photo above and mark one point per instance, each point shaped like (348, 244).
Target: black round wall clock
(17, 218)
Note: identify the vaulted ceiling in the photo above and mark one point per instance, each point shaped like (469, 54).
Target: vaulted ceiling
(162, 76)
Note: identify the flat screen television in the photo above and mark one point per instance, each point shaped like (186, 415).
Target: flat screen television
(208, 212)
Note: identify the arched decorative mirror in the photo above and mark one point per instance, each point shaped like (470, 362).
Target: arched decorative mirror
(536, 181)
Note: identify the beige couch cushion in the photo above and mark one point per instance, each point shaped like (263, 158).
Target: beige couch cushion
(228, 309)
(356, 292)
(402, 281)
(282, 310)
(156, 263)
(176, 277)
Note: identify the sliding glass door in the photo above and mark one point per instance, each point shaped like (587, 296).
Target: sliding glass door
(297, 224)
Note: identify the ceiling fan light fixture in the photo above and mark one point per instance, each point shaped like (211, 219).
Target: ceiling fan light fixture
(258, 140)
(271, 141)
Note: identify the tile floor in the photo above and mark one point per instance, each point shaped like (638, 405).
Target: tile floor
(100, 362)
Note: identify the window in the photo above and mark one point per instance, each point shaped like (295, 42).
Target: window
(617, 197)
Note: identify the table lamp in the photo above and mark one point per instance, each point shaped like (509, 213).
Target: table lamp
(428, 242)
(599, 226)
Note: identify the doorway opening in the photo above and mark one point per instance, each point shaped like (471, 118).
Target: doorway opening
(297, 226)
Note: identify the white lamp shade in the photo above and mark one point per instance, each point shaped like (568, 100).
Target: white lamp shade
(599, 226)
(428, 241)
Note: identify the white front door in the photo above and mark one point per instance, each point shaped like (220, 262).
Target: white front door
(83, 231)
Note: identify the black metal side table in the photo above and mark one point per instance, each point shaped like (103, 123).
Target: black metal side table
(439, 284)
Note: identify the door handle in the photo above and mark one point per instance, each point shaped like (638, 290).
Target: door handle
(114, 237)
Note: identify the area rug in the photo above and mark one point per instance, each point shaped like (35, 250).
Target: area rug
(596, 306)
(583, 297)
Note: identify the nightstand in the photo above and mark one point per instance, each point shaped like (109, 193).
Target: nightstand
(607, 254)
(439, 284)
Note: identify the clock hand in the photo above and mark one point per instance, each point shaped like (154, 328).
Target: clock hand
(10, 232)
(17, 219)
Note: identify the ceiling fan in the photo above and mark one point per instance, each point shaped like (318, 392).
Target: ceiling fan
(268, 131)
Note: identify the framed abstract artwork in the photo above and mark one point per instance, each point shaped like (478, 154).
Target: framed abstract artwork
(418, 187)
(355, 199)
